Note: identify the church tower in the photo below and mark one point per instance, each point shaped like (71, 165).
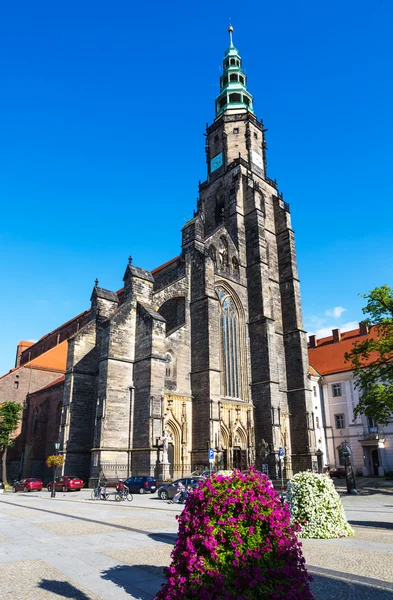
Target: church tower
(249, 364)
(208, 350)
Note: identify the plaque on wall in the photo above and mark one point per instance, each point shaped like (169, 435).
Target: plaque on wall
(156, 406)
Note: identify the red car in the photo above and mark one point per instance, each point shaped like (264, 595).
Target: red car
(28, 485)
(66, 483)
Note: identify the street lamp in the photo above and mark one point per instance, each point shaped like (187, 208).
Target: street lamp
(53, 490)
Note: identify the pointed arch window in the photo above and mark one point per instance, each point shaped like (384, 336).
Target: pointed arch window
(229, 337)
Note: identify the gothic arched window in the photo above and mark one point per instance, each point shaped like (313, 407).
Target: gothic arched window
(229, 330)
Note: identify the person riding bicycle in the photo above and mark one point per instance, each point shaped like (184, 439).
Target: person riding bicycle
(121, 488)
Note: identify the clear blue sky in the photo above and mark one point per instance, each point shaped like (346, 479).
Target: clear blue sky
(103, 107)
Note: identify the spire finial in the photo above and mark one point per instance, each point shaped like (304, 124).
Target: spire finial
(130, 260)
(96, 283)
(230, 30)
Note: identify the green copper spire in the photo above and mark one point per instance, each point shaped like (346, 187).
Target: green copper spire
(233, 90)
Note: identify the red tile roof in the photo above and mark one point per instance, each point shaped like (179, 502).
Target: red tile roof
(53, 360)
(328, 356)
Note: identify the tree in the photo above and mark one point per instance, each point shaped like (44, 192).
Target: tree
(10, 413)
(372, 359)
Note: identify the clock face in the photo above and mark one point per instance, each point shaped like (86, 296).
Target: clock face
(216, 162)
(257, 159)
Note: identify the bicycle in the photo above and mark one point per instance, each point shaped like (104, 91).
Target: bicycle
(99, 493)
(124, 495)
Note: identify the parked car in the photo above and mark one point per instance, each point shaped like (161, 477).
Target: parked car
(28, 485)
(141, 485)
(338, 472)
(1, 486)
(66, 483)
(168, 490)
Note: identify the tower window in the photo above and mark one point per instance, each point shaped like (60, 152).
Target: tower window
(16, 385)
(246, 100)
(234, 98)
(236, 130)
(168, 365)
(233, 77)
(224, 81)
(241, 79)
(238, 63)
(222, 101)
(255, 135)
(216, 138)
(229, 329)
(233, 62)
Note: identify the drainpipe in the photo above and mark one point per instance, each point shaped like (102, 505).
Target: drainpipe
(324, 419)
(130, 429)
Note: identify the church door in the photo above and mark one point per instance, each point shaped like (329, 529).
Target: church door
(237, 460)
(171, 455)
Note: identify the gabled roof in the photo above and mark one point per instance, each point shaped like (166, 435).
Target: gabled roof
(54, 383)
(328, 356)
(53, 360)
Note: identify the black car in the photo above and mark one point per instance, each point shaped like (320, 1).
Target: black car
(141, 485)
(168, 490)
(338, 472)
(1, 486)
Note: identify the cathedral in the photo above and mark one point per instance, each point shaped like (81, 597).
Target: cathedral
(208, 350)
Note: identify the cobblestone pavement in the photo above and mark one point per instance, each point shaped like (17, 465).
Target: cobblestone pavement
(72, 547)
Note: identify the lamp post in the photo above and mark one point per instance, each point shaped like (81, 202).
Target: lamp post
(53, 490)
(349, 474)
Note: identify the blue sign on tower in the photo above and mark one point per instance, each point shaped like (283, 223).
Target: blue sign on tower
(280, 452)
(210, 454)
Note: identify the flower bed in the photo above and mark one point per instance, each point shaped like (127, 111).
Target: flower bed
(316, 507)
(236, 542)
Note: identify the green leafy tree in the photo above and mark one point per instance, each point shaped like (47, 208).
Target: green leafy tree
(10, 413)
(372, 359)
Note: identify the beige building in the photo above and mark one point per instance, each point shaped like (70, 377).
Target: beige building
(371, 444)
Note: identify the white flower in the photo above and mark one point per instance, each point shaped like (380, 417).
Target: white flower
(316, 506)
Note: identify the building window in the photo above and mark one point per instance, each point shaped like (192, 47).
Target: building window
(341, 460)
(339, 421)
(229, 329)
(314, 389)
(336, 390)
(16, 385)
(317, 422)
(255, 135)
(236, 130)
(372, 426)
(168, 365)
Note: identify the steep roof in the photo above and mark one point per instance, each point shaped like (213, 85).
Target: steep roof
(328, 356)
(53, 360)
